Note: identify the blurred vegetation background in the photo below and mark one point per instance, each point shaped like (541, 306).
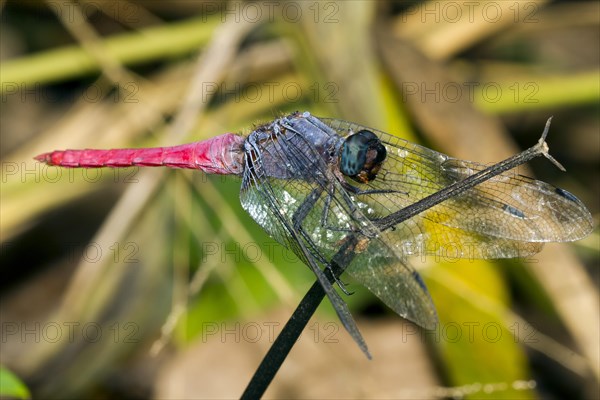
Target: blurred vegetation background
(134, 283)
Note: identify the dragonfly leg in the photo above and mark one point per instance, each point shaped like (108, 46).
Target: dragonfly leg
(306, 206)
(355, 190)
(326, 209)
(338, 281)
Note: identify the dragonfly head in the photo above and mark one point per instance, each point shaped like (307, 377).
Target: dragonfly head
(361, 156)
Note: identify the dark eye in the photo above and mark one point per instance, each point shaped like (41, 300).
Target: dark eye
(361, 156)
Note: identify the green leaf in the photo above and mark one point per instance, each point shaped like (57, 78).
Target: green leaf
(11, 386)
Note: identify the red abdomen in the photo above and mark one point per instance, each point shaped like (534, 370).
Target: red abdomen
(220, 155)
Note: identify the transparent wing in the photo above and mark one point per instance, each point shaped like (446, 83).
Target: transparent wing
(393, 281)
(507, 216)
(309, 212)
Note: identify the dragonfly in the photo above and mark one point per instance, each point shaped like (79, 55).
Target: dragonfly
(342, 195)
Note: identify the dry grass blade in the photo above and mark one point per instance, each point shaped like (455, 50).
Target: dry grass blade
(574, 296)
(463, 25)
(75, 22)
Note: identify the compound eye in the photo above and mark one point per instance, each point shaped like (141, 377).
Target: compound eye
(361, 156)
